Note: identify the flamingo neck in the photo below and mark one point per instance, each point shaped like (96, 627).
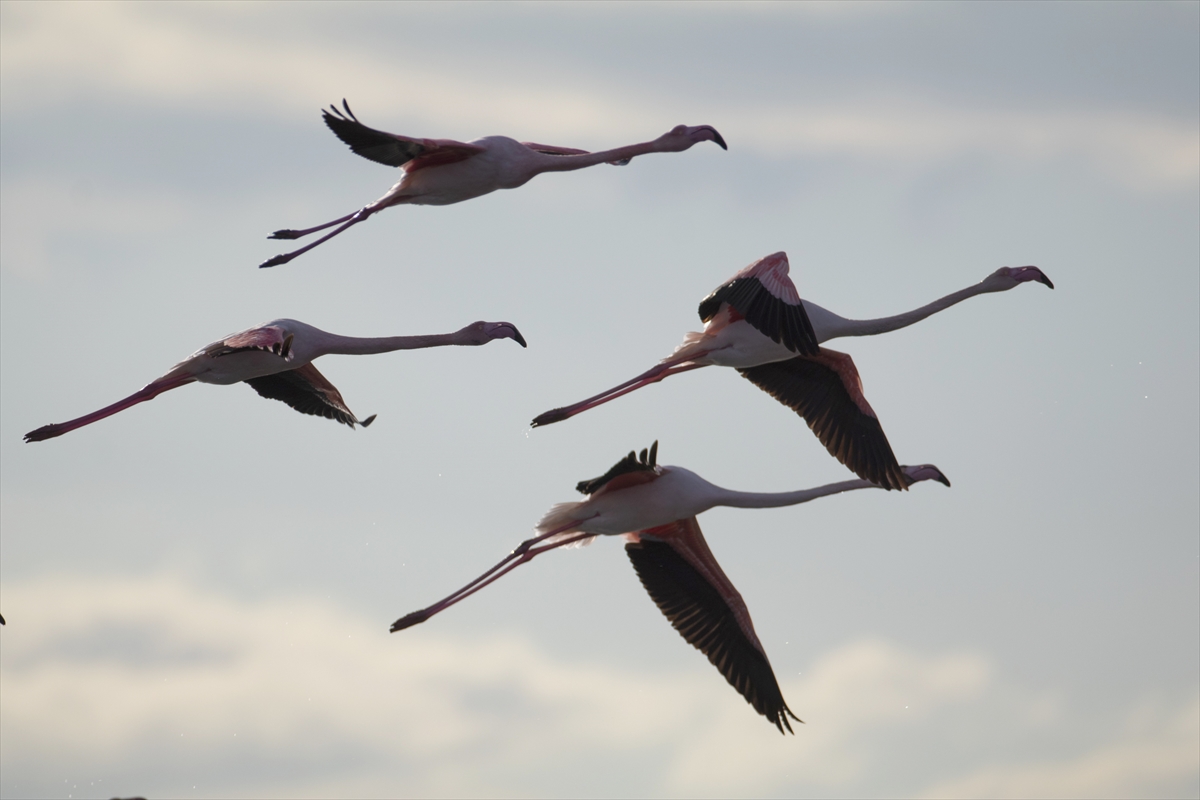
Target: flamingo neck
(365, 346)
(548, 163)
(828, 325)
(727, 497)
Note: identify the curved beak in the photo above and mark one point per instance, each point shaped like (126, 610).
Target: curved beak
(926, 472)
(507, 330)
(1030, 273)
(717, 137)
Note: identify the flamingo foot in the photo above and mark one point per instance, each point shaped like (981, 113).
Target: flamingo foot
(408, 620)
(287, 233)
(282, 258)
(550, 417)
(46, 432)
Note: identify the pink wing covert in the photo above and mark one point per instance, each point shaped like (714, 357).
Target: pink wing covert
(772, 272)
(765, 297)
(269, 338)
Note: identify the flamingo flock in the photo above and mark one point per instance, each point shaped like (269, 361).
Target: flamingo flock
(756, 323)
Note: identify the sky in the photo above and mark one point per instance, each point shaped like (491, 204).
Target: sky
(198, 590)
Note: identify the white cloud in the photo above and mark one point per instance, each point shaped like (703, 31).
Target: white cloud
(52, 53)
(861, 687)
(1153, 760)
(134, 677)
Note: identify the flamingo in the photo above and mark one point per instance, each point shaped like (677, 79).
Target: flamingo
(276, 360)
(655, 508)
(757, 323)
(438, 172)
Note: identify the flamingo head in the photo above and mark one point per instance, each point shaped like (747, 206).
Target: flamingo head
(925, 472)
(483, 332)
(1007, 278)
(681, 137)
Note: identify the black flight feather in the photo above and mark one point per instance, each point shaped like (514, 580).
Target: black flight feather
(696, 609)
(782, 322)
(816, 392)
(309, 392)
(630, 463)
(379, 146)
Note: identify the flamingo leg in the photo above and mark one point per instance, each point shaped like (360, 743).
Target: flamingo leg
(525, 552)
(648, 377)
(149, 392)
(288, 233)
(284, 258)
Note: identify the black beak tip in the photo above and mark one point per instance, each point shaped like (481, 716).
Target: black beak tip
(518, 338)
(719, 140)
(1047, 281)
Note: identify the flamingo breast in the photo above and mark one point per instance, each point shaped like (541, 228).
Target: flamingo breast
(504, 164)
(740, 345)
(676, 494)
(238, 367)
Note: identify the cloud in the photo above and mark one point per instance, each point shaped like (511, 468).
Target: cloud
(865, 686)
(56, 53)
(151, 681)
(1157, 755)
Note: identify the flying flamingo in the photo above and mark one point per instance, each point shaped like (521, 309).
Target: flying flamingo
(438, 172)
(758, 324)
(276, 360)
(655, 507)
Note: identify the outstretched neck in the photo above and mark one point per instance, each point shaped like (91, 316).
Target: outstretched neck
(726, 497)
(365, 346)
(566, 163)
(828, 325)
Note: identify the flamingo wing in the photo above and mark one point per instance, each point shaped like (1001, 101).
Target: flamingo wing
(390, 148)
(765, 296)
(269, 338)
(687, 584)
(826, 391)
(629, 471)
(309, 392)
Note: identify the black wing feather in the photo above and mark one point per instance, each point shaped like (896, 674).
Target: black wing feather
(629, 463)
(816, 392)
(696, 609)
(379, 146)
(309, 392)
(782, 322)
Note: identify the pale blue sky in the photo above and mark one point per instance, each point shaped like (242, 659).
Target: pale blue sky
(198, 590)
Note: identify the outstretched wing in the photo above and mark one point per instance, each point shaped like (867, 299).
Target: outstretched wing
(766, 297)
(390, 148)
(675, 565)
(307, 390)
(269, 339)
(825, 389)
